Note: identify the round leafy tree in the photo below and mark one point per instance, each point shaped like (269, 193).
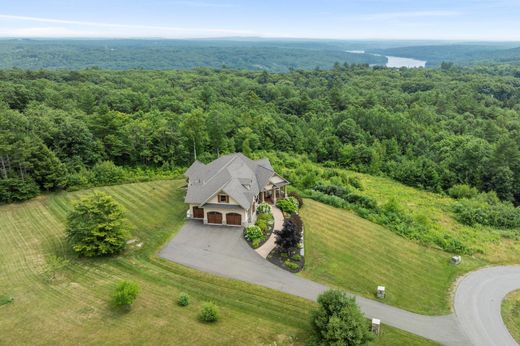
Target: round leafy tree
(125, 293)
(339, 321)
(209, 312)
(96, 226)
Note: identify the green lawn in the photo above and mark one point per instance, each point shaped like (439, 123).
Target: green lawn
(75, 308)
(346, 251)
(511, 314)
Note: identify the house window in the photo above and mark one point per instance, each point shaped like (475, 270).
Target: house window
(223, 198)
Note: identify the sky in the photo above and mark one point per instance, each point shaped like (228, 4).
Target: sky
(334, 19)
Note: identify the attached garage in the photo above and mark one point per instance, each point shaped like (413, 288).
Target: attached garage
(214, 217)
(198, 213)
(234, 219)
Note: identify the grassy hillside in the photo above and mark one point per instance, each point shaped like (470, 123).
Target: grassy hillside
(511, 314)
(493, 245)
(75, 308)
(344, 250)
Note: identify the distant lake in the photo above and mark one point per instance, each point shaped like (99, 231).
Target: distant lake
(396, 61)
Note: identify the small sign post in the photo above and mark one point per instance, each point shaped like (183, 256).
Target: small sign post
(380, 292)
(376, 326)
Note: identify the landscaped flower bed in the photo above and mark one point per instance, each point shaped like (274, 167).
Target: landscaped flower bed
(288, 253)
(256, 235)
(293, 263)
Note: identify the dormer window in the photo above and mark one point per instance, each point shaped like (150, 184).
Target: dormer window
(223, 198)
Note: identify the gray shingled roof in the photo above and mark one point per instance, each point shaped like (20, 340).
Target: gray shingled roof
(235, 174)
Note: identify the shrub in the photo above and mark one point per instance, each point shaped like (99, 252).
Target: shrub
(288, 238)
(256, 243)
(253, 232)
(184, 299)
(297, 196)
(264, 208)
(334, 201)
(462, 191)
(16, 190)
(4, 300)
(96, 227)
(287, 205)
(209, 312)
(339, 321)
(264, 222)
(297, 221)
(291, 265)
(106, 173)
(297, 257)
(362, 201)
(480, 211)
(125, 293)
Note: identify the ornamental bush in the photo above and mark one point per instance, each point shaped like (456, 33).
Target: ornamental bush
(287, 205)
(254, 234)
(96, 226)
(209, 312)
(264, 208)
(291, 265)
(125, 294)
(184, 299)
(264, 221)
(298, 198)
(288, 238)
(339, 321)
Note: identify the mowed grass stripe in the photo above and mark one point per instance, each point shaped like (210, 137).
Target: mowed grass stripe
(337, 241)
(76, 308)
(346, 251)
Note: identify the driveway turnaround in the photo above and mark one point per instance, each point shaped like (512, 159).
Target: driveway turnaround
(222, 251)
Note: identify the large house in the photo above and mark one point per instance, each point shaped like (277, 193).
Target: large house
(228, 190)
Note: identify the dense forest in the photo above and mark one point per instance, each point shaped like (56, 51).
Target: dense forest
(274, 56)
(433, 129)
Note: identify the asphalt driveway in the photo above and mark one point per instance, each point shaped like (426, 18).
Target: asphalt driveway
(222, 251)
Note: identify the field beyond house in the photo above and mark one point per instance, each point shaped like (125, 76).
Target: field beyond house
(74, 308)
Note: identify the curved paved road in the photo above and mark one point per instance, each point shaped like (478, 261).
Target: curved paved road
(221, 250)
(478, 301)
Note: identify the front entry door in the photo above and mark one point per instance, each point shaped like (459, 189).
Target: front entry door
(198, 213)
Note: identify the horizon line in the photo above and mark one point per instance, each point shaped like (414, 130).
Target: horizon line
(254, 37)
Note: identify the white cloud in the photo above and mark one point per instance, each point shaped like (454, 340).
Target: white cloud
(109, 29)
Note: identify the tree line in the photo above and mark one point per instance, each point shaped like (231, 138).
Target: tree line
(432, 129)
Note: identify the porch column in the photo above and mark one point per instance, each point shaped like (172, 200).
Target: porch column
(274, 195)
(262, 196)
(285, 190)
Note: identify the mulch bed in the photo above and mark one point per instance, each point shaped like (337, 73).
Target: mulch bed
(276, 258)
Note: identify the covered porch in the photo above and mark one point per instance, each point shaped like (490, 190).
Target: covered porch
(273, 193)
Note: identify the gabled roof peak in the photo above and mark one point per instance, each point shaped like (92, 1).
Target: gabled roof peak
(236, 174)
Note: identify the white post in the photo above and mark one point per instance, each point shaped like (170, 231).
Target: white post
(376, 326)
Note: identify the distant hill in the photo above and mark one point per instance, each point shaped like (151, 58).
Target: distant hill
(273, 56)
(460, 54)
